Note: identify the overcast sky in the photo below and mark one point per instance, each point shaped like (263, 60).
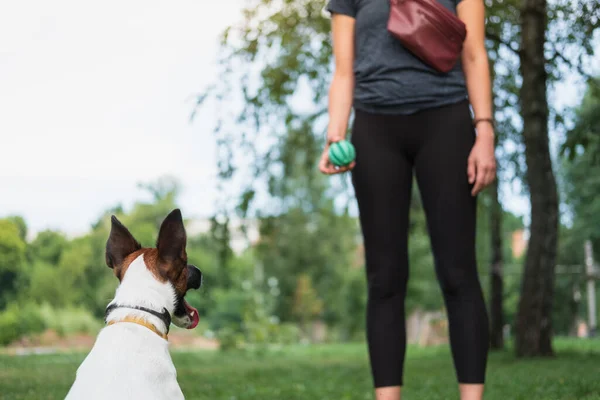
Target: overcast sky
(96, 97)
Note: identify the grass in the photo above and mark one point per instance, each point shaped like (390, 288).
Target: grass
(329, 372)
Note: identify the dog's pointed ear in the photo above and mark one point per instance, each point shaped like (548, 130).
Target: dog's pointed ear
(120, 244)
(172, 238)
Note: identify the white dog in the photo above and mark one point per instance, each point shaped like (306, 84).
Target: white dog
(130, 359)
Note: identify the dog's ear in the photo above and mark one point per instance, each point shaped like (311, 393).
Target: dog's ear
(172, 238)
(120, 244)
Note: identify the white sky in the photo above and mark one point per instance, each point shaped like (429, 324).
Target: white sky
(96, 97)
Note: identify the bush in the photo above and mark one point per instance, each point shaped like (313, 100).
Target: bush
(227, 311)
(66, 321)
(244, 318)
(30, 319)
(16, 322)
(9, 326)
(230, 338)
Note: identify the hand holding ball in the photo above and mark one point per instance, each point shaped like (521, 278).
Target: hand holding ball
(341, 153)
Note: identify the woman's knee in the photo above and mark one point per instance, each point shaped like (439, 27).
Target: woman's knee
(456, 282)
(385, 286)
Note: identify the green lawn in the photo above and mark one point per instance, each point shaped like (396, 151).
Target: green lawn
(332, 372)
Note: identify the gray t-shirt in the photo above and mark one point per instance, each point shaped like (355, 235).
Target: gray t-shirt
(388, 78)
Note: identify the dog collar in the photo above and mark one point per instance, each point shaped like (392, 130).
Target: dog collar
(141, 322)
(164, 316)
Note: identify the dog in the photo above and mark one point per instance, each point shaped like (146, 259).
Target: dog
(130, 358)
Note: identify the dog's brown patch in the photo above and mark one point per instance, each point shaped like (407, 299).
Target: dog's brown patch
(175, 272)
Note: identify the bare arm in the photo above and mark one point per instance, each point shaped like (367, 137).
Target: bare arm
(475, 62)
(342, 87)
(481, 170)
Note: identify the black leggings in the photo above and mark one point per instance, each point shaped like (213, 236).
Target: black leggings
(435, 144)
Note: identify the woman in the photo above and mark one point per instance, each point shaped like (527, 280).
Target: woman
(408, 117)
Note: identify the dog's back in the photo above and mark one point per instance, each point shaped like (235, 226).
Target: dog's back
(130, 362)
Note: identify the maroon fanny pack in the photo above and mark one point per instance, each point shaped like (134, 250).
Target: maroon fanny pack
(428, 30)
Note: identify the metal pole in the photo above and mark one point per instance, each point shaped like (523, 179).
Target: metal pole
(591, 288)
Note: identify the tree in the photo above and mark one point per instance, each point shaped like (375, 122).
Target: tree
(502, 32)
(496, 272)
(584, 139)
(307, 306)
(47, 246)
(496, 250)
(320, 246)
(21, 224)
(165, 187)
(534, 322)
(580, 182)
(12, 259)
(519, 30)
(273, 146)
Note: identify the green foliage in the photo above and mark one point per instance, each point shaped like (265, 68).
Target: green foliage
(9, 326)
(21, 225)
(220, 244)
(12, 246)
(227, 310)
(307, 306)
(47, 247)
(569, 50)
(244, 319)
(581, 169)
(580, 179)
(12, 260)
(23, 320)
(18, 321)
(353, 304)
(47, 283)
(320, 244)
(69, 320)
(585, 136)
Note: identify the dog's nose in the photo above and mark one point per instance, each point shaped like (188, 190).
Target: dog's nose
(194, 280)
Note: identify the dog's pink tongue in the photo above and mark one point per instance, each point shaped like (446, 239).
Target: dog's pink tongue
(193, 314)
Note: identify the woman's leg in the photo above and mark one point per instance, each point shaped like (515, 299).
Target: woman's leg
(441, 169)
(382, 181)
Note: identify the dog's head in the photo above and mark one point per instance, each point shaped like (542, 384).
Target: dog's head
(167, 262)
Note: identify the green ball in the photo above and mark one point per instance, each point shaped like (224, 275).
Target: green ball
(341, 153)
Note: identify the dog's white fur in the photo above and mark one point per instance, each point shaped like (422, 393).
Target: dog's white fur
(129, 361)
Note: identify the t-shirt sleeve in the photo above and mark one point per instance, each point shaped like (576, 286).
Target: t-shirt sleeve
(345, 7)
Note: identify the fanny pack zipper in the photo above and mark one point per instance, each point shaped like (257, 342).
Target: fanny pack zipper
(457, 26)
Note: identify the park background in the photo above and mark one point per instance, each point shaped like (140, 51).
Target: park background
(134, 108)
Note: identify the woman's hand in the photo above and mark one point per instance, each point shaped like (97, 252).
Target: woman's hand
(326, 166)
(481, 169)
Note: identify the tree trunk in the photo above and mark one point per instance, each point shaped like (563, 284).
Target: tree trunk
(496, 266)
(534, 322)
(496, 278)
